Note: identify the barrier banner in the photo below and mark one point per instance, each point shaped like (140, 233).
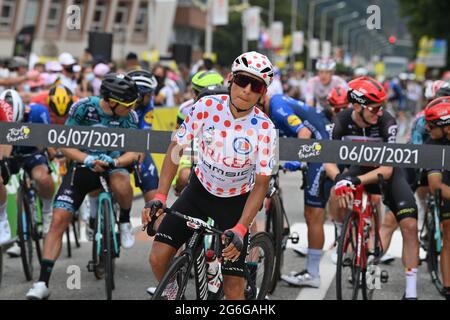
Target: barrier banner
(290, 149)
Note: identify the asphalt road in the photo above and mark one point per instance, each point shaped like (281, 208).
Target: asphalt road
(133, 274)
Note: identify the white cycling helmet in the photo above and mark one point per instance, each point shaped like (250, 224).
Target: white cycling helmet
(256, 64)
(325, 65)
(432, 87)
(13, 98)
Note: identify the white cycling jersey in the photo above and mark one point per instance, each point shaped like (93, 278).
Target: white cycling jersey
(316, 91)
(231, 151)
(186, 107)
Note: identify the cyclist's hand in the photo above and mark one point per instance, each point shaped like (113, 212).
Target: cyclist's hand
(235, 239)
(292, 166)
(152, 211)
(90, 162)
(344, 189)
(109, 162)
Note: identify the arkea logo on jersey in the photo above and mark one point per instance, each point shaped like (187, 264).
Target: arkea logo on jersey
(242, 146)
(15, 134)
(308, 151)
(294, 121)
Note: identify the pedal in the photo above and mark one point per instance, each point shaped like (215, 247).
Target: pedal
(294, 238)
(384, 276)
(91, 266)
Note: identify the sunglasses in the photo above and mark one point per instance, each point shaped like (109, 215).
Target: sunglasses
(243, 81)
(126, 105)
(431, 125)
(374, 110)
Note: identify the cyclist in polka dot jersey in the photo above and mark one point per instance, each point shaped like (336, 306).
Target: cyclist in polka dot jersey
(237, 154)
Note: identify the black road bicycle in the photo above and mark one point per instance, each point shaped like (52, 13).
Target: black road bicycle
(431, 239)
(176, 284)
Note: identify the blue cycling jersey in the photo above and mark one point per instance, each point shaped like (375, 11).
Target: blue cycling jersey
(145, 116)
(35, 113)
(290, 115)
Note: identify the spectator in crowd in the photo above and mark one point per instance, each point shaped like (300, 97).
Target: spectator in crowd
(67, 76)
(167, 89)
(100, 71)
(132, 62)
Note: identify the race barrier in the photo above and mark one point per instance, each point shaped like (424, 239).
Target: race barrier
(340, 152)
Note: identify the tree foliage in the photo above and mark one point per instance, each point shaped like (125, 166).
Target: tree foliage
(427, 17)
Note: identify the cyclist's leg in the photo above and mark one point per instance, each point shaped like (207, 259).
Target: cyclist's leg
(68, 199)
(119, 182)
(150, 178)
(400, 198)
(37, 167)
(445, 253)
(387, 229)
(227, 212)
(172, 233)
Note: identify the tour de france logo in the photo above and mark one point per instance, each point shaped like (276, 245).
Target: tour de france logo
(309, 151)
(18, 134)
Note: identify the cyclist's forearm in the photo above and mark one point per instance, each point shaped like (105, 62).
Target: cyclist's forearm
(435, 182)
(254, 200)
(74, 154)
(332, 170)
(127, 159)
(169, 167)
(372, 176)
(5, 150)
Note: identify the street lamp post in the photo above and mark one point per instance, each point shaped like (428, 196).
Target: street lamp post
(323, 18)
(209, 29)
(293, 28)
(346, 31)
(352, 39)
(312, 6)
(244, 29)
(340, 19)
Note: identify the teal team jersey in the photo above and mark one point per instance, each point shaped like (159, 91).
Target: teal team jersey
(87, 112)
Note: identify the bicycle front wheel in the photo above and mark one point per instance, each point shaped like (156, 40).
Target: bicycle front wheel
(107, 249)
(274, 226)
(348, 275)
(260, 264)
(433, 263)
(173, 285)
(24, 233)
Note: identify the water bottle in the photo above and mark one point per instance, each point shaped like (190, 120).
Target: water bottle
(214, 273)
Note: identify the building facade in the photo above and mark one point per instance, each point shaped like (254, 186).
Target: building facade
(58, 28)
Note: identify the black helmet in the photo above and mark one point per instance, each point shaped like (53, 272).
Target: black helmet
(119, 88)
(443, 92)
(145, 80)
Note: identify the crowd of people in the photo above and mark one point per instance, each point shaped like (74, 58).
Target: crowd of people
(249, 101)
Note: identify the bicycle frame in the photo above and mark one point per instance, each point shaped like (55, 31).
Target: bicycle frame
(363, 208)
(105, 195)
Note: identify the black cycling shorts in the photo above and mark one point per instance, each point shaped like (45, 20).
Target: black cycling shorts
(75, 185)
(197, 202)
(398, 196)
